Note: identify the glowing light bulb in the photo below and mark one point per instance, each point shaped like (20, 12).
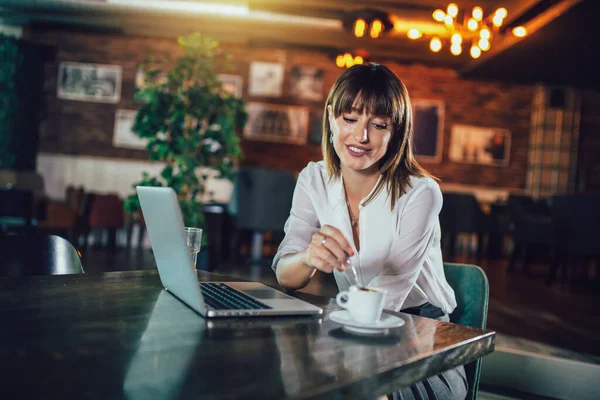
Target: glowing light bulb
(348, 60)
(339, 61)
(501, 13)
(358, 60)
(360, 26)
(439, 15)
(456, 49)
(456, 38)
(376, 29)
(497, 21)
(472, 25)
(475, 51)
(477, 13)
(452, 10)
(484, 33)
(414, 33)
(436, 44)
(448, 20)
(519, 31)
(484, 44)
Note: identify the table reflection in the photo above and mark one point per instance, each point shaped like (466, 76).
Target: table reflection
(181, 354)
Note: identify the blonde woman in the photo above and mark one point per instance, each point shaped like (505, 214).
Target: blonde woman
(369, 200)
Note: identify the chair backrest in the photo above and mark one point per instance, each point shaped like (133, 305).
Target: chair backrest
(471, 289)
(17, 204)
(461, 213)
(576, 221)
(106, 211)
(262, 198)
(27, 255)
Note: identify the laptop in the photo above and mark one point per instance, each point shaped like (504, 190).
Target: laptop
(164, 222)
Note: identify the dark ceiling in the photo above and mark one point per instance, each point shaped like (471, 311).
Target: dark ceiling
(565, 51)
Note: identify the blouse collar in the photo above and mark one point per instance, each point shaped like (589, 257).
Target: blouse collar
(338, 194)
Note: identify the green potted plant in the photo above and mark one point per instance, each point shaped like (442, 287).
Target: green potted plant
(190, 122)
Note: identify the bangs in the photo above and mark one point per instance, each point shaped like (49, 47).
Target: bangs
(370, 92)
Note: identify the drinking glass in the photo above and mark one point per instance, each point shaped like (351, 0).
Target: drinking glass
(194, 241)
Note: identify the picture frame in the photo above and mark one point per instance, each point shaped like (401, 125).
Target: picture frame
(480, 145)
(123, 136)
(232, 84)
(276, 123)
(266, 79)
(97, 83)
(306, 83)
(428, 135)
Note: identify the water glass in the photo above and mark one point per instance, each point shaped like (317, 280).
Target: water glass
(194, 241)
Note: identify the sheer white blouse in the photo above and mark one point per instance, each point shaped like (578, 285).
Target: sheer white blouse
(400, 248)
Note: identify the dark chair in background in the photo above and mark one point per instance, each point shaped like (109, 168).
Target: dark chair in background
(531, 228)
(260, 202)
(106, 215)
(27, 255)
(16, 210)
(61, 217)
(461, 213)
(471, 289)
(576, 220)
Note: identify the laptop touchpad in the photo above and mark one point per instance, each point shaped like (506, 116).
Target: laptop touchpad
(266, 294)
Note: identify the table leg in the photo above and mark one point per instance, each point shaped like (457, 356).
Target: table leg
(257, 245)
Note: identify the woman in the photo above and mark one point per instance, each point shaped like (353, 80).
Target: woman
(369, 201)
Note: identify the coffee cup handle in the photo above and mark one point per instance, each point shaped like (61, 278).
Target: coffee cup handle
(342, 299)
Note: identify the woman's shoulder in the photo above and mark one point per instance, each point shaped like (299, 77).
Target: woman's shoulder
(421, 187)
(419, 183)
(314, 170)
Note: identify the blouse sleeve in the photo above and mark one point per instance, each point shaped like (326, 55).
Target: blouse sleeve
(416, 233)
(302, 223)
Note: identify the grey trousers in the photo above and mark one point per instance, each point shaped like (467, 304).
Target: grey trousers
(449, 385)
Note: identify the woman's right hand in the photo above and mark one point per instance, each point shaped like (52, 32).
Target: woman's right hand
(329, 249)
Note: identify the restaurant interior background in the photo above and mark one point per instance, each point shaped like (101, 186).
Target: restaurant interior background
(506, 124)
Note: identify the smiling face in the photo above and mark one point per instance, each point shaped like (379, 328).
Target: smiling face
(360, 139)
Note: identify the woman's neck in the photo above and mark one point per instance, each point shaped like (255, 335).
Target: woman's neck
(359, 184)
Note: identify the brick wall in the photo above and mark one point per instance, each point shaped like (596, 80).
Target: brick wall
(75, 127)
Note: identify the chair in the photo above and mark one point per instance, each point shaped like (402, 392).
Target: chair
(61, 216)
(16, 210)
(461, 213)
(105, 213)
(261, 202)
(532, 226)
(471, 289)
(26, 255)
(576, 221)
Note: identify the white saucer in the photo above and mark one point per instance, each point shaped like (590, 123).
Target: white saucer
(381, 327)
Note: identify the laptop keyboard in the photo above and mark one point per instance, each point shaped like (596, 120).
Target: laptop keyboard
(223, 297)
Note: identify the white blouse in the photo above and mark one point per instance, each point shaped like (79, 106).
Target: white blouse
(400, 248)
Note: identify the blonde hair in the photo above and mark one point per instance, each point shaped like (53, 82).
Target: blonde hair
(376, 90)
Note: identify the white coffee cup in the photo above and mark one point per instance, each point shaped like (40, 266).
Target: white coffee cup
(364, 304)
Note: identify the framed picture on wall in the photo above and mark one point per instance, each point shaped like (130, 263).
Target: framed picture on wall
(479, 145)
(232, 84)
(306, 83)
(89, 82)
(266, 79)
(123, 136)
(428, 121)
(276, 123)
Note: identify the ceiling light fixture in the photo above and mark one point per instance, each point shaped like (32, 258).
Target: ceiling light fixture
(347, 60)
(367, 23)
(475, 29)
